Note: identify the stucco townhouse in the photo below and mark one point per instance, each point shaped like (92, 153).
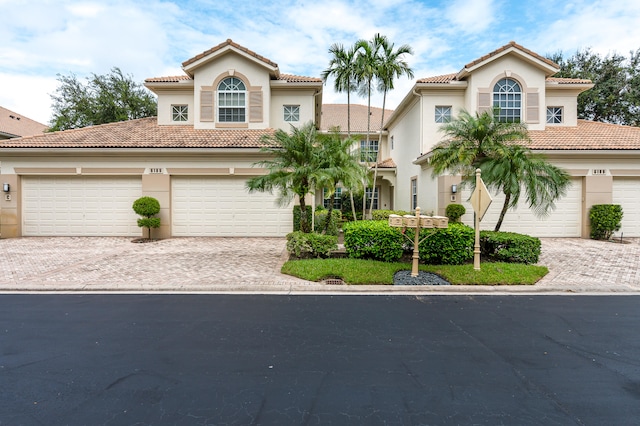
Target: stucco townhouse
(197, 154)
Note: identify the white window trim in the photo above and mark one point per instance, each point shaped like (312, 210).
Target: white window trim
(291, 111)
(179, 110)
(443, 114)
(561, 109)
(244, 93)
(510, 96)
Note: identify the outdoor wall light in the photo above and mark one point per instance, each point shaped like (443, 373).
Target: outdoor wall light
(6, 187)
(454, 189)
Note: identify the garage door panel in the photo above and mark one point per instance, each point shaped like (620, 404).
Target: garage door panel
(564, 221)
(221, 206)
(625, 193)
(80, 206)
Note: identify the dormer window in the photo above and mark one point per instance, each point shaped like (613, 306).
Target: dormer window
(232, 94)
(507, 96)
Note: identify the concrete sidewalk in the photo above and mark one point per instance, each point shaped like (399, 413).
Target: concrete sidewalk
(252, 265)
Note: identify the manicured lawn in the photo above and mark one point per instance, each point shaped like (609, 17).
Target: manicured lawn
(357, 271)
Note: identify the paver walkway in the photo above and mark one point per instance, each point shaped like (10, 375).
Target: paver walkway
(253, 265)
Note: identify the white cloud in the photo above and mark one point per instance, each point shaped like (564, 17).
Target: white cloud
(28, 95)
(470, 16)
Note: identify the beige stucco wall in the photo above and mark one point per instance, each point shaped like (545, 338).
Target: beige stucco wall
(129, 163)
(279, 98)
(566, 99)
(231, 63)
(168, 98)
(430, 99)
(407, 136)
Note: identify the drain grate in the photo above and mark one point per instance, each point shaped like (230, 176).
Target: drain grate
(333, 281)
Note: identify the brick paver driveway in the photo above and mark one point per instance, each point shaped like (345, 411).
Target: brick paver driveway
(104, 263)
(253, 265)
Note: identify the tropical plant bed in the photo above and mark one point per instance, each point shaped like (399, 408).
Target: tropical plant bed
(358, 271)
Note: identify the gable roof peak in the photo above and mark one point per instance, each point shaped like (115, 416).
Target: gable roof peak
(228, 45)
(547, 65)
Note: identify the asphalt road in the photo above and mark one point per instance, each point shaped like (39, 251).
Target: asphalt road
(279, 360)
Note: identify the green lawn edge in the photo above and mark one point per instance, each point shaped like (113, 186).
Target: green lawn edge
(362, 272)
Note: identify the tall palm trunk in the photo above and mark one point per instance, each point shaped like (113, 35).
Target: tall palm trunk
(353, 205)
(505, 207)
(364, 197)
(375, 168)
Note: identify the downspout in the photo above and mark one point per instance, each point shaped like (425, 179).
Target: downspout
(421, 119)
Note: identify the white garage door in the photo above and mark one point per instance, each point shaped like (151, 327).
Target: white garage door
(625, 193)
(80, 206)
(564, 221)
(221, 206)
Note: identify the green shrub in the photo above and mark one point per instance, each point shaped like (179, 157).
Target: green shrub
(447, 246)
(454, 212)
(310, 245)
(605, 220)
(509, 247)
(297, 215)
(371, 239)
(384, 214)
(147, 207)
(334, 223)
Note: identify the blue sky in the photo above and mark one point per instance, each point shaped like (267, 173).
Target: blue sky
(42, 38)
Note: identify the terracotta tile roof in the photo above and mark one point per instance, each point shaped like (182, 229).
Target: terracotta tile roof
(141, 133)
(587, 135)
(13, 124)
(226, 43)
(563, 80)
(172, 79)
(387, 164)
(508, 46)
(446, 78)
(299, 79)
(335, 115)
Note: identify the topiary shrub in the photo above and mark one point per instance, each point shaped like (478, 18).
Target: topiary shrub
(454, 212)
(384, 214)
(310, 245)
(334, 223)
(509, 247)
(372, 239)
(605, 220)
(147, 207)
(297, 215)
(447, 246)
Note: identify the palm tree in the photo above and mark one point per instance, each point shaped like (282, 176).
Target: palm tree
(340, 165)
(367, 62)
(342, 67)
(391, 66)
(482, 141)
(514, 168)
(294, 167)
(471, 138)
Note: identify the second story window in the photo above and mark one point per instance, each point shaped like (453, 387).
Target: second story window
(292, 113)
(443, 114)
(507, 96)
(554, 115)
(179, 112)
(369, 152)
(232, 103)
(337, 200)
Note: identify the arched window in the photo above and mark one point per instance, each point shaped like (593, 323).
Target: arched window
(507, 96)
(232, 95)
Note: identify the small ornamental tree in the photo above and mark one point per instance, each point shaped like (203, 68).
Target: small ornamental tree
(455, 211)
(605, 220)
(147, 207)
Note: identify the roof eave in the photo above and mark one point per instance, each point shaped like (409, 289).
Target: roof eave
(191, 67)
(547, 68)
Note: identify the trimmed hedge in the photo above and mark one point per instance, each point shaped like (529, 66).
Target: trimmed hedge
(384, 214)
(297, 215)
(373, 239)
(605, 220)
(310, 245)
(447, 246)
(334, 223)
(509, 247)
(454, 212)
